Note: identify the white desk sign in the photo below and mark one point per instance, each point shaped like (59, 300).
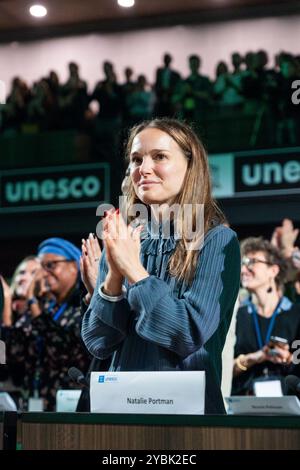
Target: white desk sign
(35, 404)
(67, 400)
(287, 405)
(170, 392)
(6, 402)
(268, 388)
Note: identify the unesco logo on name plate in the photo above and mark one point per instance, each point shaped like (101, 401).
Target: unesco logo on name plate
(103, 379)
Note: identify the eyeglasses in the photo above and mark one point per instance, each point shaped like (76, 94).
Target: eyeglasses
(51, 265)
(248, 262)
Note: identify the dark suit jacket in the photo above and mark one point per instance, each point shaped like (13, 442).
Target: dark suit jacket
(174, 79)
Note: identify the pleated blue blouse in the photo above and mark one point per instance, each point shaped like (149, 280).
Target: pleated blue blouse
(165, 324)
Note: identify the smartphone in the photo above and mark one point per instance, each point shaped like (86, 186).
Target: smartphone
(277, 341)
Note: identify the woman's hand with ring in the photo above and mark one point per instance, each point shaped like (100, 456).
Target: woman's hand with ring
(89, 262)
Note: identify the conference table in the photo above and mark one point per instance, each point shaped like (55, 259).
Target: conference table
(8, 430)
(93, 431)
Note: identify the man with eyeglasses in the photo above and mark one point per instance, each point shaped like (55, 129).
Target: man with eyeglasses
(53, 340)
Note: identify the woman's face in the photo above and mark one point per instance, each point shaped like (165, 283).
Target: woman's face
(24, 277)
(157, 166)
(256, 273)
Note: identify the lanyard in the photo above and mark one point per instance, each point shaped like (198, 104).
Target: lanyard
(60, 311)
(271, 324)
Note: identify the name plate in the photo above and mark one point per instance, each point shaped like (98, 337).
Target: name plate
(67, 400)
(244, 405)
(170, 392)
(35, 404)
(7, 403)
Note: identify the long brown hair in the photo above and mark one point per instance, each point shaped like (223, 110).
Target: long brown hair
(196, 189)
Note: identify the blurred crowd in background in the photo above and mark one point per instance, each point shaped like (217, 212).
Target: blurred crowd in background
(249, 86)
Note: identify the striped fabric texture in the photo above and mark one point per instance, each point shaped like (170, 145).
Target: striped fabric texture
(164, 324)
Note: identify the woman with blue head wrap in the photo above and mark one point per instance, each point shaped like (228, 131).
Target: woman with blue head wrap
(60, 246)
(60, 260)
(51, 343)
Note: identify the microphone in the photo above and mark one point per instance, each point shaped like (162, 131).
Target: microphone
(77, 376)
(292, 383)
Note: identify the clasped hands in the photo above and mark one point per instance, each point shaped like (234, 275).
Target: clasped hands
(122, 244)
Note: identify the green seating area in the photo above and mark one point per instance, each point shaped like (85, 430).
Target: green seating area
(221, 132)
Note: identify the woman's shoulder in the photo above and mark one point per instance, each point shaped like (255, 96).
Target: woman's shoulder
(220, 246)
(243, 317)
(220, 233)
(244, 310)
(288, 308)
